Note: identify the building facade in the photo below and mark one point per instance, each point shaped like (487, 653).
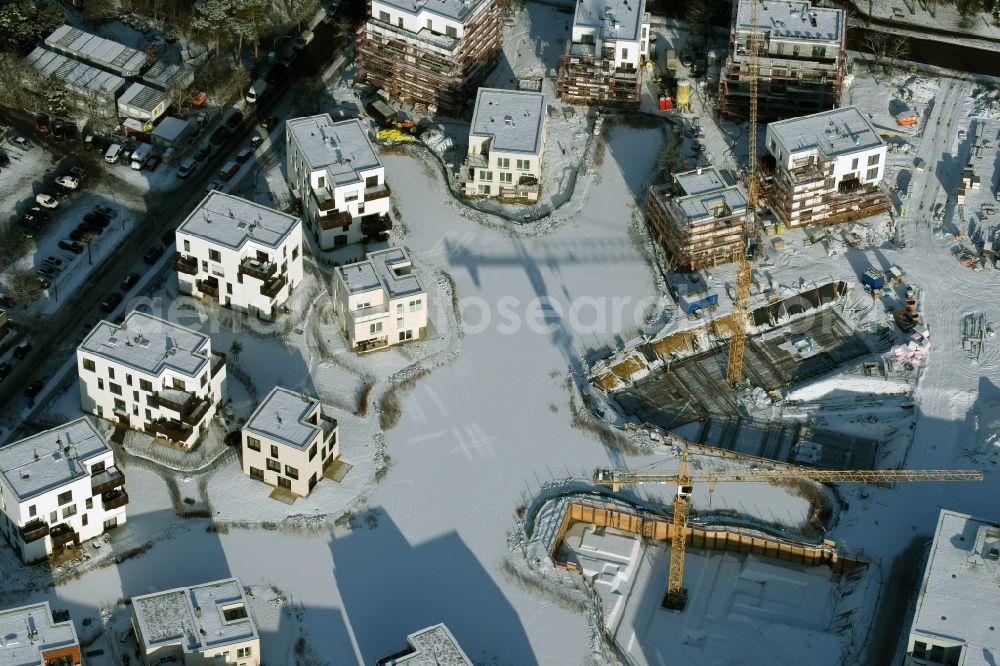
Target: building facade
(506, 142)
(429, 53)
(825, 168)
(87, 87)
(335, 173)
(697, 218)
(954, 621)
(198, 625)
(603, 61)
(152, 375)
(379, 301)
(427, 647)
(87, 47)
(802, 60)
(32, 635)
(239, 253)
(289, 441)
(60, 488)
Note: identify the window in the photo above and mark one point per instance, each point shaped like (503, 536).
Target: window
(178, 384)
(405, 335)
(919, 649)
(384, 17)
(119, 405)
(361, 208)
(416, 305)
(274, 451)
(321, 182)
(85, 520)
(114, 388)
(291, 472)
(485, 175)
(351, 196)
(295, 252)
(854, 164)
(234, 613)
(97, 467)
(214, 255)
(484, 189)
(65, 498)
(872, 174)
(430, 25)
(371, 181)
(89, 503)
(524, 165)
(243, 652)
(273, 466)
(819, 52)
(451, 31)
(32, 511)
(69, 511)
(187, 246)
(503, 162)
(253, 443)
(145, 385)
(375, 328)
(795, 49)
(53, 517)
(624, 54)
(312, 452)
(780, 48)
(506, 177)
(111, 373)
(149, 415)
(256, 474)
(100, 384)
(204, 379)
(128, 379)
(89, 365)
(399, 308)
(873, 159)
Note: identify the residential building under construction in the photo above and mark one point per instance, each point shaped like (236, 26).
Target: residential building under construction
(824, 168)
(603, 61)
(433, 53)
(697, 218)
(802, 60)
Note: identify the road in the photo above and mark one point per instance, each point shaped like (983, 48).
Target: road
(55, 338)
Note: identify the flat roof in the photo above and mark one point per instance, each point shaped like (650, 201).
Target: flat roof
(18, 647)
(232, 222)
(73, 72)
(796, 20)
(959, 595)
(433, 646)
(379, 270)
(193, 617)
(702, 190)
(342, 148)
(97, 50)
(282, 418)
(514, 118)
(835, 132)
(51, 459)
(164, 75)
(170, 128)
(453, 9)
(149, 344)
(614, 19)
(143, 97)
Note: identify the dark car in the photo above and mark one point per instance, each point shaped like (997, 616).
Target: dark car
(218, 136)
(34, 388)
(269, 122)
(4, 370)
(243, 155)
(202, 152)
(129, 281)
(96, 219)
(233, 121)
(111, 302)
(71, 246)
(91, 228)
(30, 223)
(78, 234)
(77, 172)
(277, 74)
(58, 128)
(4, 159)
(21, 351)
(153, 254)
(71, 133)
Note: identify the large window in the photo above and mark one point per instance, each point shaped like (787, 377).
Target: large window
(503, 163)
(312, 452)
(89, 365)
(214, 255)
(872, 174)
(854, 164)
(873, 159)
(291, 472)
(416, 305)
(485, 175)
(384, 17)
(253, 443)
(524, 165)
(256, 473)
(145, 385)
(65, 498)
(274, 451)
(506, 177)
(273, 466)
(114, 388)
(69, 511)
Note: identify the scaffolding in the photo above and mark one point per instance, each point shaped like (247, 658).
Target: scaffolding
(693, 244)
(426, 67)
(805, 194)
(593, 80)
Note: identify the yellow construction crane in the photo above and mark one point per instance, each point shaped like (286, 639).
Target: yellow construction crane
(685, 480)
(734, 370)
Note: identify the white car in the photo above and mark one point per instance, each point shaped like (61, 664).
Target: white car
(46, 201)
(68, 182)
(185, 168)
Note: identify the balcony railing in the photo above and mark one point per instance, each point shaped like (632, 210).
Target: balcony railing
(335, 221)
(439, 41)
(106, 481)
(219, 362)
(62, 534)
(377, 192)
(185, 264)
(325, 200)
(209, 286)
(34, 530)
(257, 269)
(114, 500)
(171, 429)
(190, 406)
(375, 224)
(374, 343)
(272, 288)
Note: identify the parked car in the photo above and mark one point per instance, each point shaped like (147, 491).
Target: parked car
(111, 302)
(22, 350)
(244, 155)
(79, 234)
(218, 136)
(55, 262)
(77, 172)
(47, 271)
(106, 211)
(46, 201)
(30, 223)
(89, 323)
(42, 123)
(34, 388)
(129, 281)
(186, 168)
(68, 182)
(4, 159)
(39, 213)
(113, 154)
(91, 228)
(21, 142)
(203, 152)
(71, 246)
(255, 141)
(277, 74)
(4, 370)
(153, 254)
(269, 122)
(58, 129)
(228, 170)
(234, 119)
(71, 133)
(97, 220)
(151, 163)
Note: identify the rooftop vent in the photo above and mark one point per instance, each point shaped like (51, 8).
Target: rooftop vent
(508, 121)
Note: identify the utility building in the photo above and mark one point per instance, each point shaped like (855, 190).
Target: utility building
(698, 218)
(956, 615)
(86, 47)
(802, 60)
(89, 87)
(432, 52)
(825, 168)
(603, 60)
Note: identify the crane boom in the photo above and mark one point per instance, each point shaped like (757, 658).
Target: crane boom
(611, 478)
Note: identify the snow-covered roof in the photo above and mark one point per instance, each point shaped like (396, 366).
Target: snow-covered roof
(50, 459)
(170, 128)
(75, 73)
(703, 189)
(29, 631)
(514, 118)
(96, 50)
(615, 19)
(343, 148)
(195, 617)
(164, 75)
(232, 222)
(836, 132)
(142, 97)
(797, 20)
(390, 270)
(433, 646)
(959, 596)
(149, 344)
(453, 9)
(282, 416)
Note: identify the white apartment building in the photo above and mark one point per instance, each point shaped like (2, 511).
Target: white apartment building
(603, 60)
(289, 441)
(197, 625)
(32, 637)
(380, 301)
(243, 255)
(506, 142)
(152, 375)
(432, 646)
(335, 173)
(827, 168)
(955, 622)
(59, 488)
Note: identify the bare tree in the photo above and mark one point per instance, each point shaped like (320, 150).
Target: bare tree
(510, 7)
(343, 28)
(298, 11)
(885, 48)
(24, 288)
(13, 246)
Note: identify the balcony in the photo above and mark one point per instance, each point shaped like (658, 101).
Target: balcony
(257, 269)
(374, 343)
(387, 30)
(208, 286)
(189, 406)
(218, 363)
(106, 481)
(328, 425)
(336, 221)
(272, 288)
(375, 224)
(377, 192)
(114, 500)
(185, 264)
(33, 530)
(171, 429)
(324, 199)
(63, 534)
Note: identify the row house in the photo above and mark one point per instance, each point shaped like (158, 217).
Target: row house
(59, 488)
(152, 375)
(32, 636)
(335, 173)
(239, 253)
